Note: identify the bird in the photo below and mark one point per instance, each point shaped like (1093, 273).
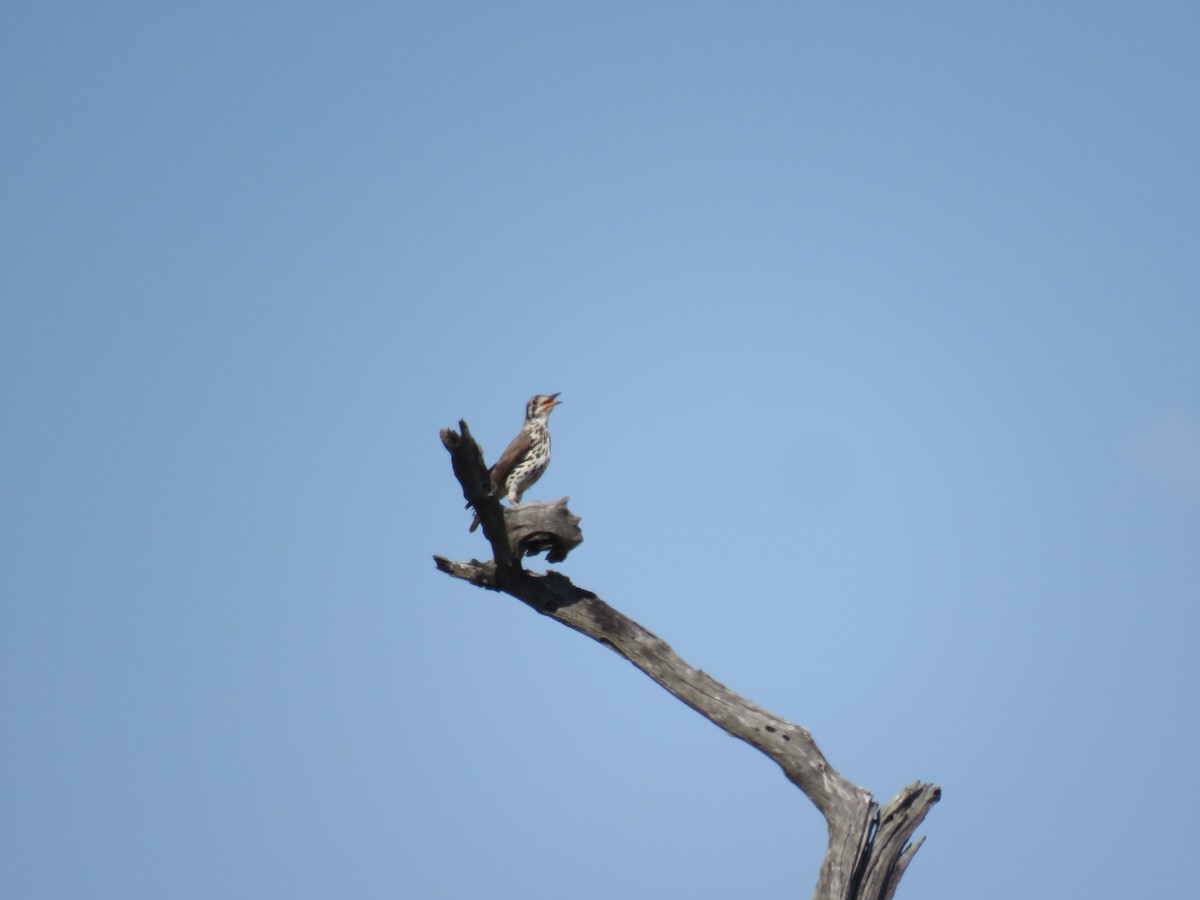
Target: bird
(527, 455)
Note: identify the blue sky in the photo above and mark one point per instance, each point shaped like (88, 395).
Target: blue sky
(876, 327)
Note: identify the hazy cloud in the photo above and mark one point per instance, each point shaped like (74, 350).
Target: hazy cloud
(1169, 447)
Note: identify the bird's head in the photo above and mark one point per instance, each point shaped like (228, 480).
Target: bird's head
(539, 406)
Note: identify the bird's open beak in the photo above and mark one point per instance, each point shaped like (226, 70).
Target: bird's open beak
(550, 402)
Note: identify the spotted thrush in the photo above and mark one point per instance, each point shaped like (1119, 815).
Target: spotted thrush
(527, 455)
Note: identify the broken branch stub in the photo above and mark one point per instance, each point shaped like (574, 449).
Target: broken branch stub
(543, 526)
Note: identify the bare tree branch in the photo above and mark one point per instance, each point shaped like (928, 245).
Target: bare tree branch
(869, 847)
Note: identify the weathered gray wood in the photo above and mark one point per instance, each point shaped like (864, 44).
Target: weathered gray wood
(466, 458)
(542, 526)
(869, 847)
(885, 850)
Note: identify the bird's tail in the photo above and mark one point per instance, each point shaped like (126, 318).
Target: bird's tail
(467, 505)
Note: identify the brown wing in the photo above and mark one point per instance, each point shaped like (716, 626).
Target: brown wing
(513, 454)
